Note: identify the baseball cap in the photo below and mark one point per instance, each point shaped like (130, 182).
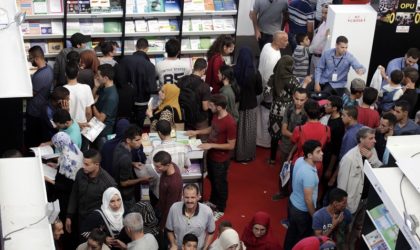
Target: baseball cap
(358, 84)
(79, 38)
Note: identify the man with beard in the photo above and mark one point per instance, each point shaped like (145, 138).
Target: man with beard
(383, 132)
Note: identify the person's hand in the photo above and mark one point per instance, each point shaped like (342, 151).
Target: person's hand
(48, 143)
(205, 146)
(119, 244)
(173, 247)
(366, 152)
(332, 180)
(257, 34)
(68, 225)
(52, 164)
(138, 165)
(306, 81)
(146, 179)
(337, 219)
(83, 125)
(190, 133)
(382, 70)
(149, 113)
(317, 87)
(65, 104)
(109, 241)
(360, 71)
(49, 180)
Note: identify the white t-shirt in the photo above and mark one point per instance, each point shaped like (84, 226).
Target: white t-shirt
(169, 71)
(268, 59)
(80, 98)
(148, 241)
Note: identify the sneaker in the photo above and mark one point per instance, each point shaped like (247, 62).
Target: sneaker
(285, 223)
(217, 215)
(278, 196)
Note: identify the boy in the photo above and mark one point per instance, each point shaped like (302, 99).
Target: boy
(63, 122)
(189, 242)
(367, 116)
(356, 91)
(301, 56)
(388, 92)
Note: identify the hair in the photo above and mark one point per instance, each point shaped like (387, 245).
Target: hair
(133, 222)
(363, 132)
(351, 112)
(354, 91)
(336, 195)
(73, 57)
(390, 117)
(164, 127)
(200, 64)
(191, 186)
(341, 39)
(219, 100)
(142, 43)
(90, 60)
(228, 72)
(224, 224)
(336, 102)
(301, 90)
(219, 44)
(59, 93)
(12, 153)
(172, 47)
(92, 154)
(300, 37)
(131, 132)
(312, 109)
(36, 51)
(309, 147)
(397, 76)
(61, 116)
(190, 237)
(98, 235)
(403, 104)
(107, 70)
(106, 47)
(413, 52)
(72, 70)
(411, 73)
(162, 157)
(370, 95)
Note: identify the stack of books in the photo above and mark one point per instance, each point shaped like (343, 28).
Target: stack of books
(44, 27)
(40, 7)
(93, 26)
(155, 44)
(48, 46)
(208, 24)
(152, 25)
(150, 6)
(196, 43)
(209, 5)
(93, 6)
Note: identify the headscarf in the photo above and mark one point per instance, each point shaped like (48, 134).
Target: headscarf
(228, 238)
(265, 242)
(107, 151)
(115, 219)
(71, 158)
(283, 71)
(171, 92)
(244, 66)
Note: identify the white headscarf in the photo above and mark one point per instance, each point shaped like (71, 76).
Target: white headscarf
(115, 219)
(71, 158)
(228, 238)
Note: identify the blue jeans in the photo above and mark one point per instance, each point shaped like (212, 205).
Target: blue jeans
(217, 172)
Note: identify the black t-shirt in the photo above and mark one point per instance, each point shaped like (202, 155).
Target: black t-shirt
(380, 144)
(366, 183)
(201, 89)
(410, 95)
(337, 132)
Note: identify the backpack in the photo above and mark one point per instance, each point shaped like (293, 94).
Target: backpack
(387, 102)
(188, 100)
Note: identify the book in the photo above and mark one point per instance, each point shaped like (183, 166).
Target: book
(185, 44)
(115, 6)
(141, 25)
(24, 27)
(205, 42)
(196, 24)
(34, 28)
(195, 43)
(98, 25)
(56, 27)
(72, 6)
(130, 6)
(130, 27)
(375, 241)
(53, 209)
(54, 47)
(229, 5)
(218, 23)
(172, 6)
(174, 25)
(45, 27)
(84, 6)
(40, 7)
(94, 129)
(49, 172)
(129, 45)
(193, 171)
(188, 5)
(385, 224)
(100, 6)
(208, 5)
(86, 26)
(156, 6)
(186, 25)
(164, 25)
(45, 152)
(55, 6)
(141, 6)
(229, 23)
(111, 26)
(218, 5)
(26, 6)
(153, 25)
(207, 23)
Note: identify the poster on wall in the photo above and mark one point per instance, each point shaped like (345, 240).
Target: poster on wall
(403, 13)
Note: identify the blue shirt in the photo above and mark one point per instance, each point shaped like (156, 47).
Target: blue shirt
(108, 104)
(329, 64)
(348, 102)
(304, 176)
(397, 63)
(74, 132)
(322, 220)
(411, 128)
(42, 81)
(349, 139)
(300, 13)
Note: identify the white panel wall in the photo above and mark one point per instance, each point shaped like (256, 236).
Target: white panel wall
(245, 27)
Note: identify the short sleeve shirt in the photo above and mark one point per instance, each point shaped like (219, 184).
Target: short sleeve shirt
(222, 130)
(74, 132)
(108, 104)
(80, 98)
(270, 14)
(304, 177)
(322, 220)
(169, 71)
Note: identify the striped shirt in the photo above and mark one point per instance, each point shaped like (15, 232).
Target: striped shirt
(300, 13)
(301, 58)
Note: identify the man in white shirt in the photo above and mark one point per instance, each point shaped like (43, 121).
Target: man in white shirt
(172, 68)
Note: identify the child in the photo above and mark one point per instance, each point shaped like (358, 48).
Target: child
(64, 123)
(301, 56)
(365, 114)
(388, 94)
(189, 242)
(356, 91)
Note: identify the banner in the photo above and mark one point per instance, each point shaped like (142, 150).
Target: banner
(403, 13)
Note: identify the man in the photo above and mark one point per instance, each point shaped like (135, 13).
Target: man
(81, 97)
(334, 66)
(404, 125)
(333, 220)
(384, 131)
(409, 60)
(170, 188)
(133, 225)
(267, 18)
(195, 83)
(269, 56)
(78, 43)
(172, 68)
(352, 179)
(365, 114)
(320, 38)
(63, 122)
(96, 240)
(136, 71)
(106, 106)
(42, 82)
(295, 116)
(221, 142)
(189, 242)
(122, 165)
(357, 86)
(304, 196)
(349, 118)
(189, 216)
(88, 187)
(301, 20)
(409, 92)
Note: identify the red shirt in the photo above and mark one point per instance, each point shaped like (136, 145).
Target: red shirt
(368, 117)
(212, 73)
(170, 191)
(222, 130)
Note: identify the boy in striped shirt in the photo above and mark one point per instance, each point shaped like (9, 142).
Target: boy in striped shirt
(301, 56)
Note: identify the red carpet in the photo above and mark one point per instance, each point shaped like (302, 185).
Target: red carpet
(250, 189)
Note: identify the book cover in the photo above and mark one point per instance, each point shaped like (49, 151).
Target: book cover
(207, 23)
(115, 6)
(94, 129)
(196, 24)
(34, 28)
(98, 25)
(141, 25)
(26, 6)
(24, 27)
(385, 224)
(111, 26)
(141, 6)
(73, 27)
(41, 44)
(55, 6)
(186, 25)
(54, 47)
(198, 5)
(130, 27)
(185, 43)
(218, 23)
(229, 23)
(129, 45)
(195, 43)
(100, 6)
(174, 25)
(229, 5)
(46, 152)
(153, 25)
(218, 5)
(188, 5)
(208, 5)
(57, 26)
(205, 42)
(40, 7)
(164, 25)
(45, 27)
(156, 6)
(72, 6)
(172, 6)
(130, 6)
(86, 26)
(84, 6)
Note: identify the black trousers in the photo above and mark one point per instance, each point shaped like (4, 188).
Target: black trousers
(265, 38)
(140, 115)
(300, 226)
(217, 172)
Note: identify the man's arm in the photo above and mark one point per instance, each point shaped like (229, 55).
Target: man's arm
(318, 72)
(230, 145)
(88, 112)
(307, 193)
(359, 68)
(254, 19)
(207, 241)
(205, 105)
(343, 171)
(172, 241)
(204, 131)
(72, 206)
(286, 131)
(99, 115)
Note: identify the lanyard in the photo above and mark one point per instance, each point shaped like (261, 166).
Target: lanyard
(336, 65)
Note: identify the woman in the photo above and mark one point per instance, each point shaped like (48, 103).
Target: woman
(257, 234)
(223, 46)
(229, 240)
(168, 108)
(109, 218)
(230, 89)
(282, 85)
(89, 63)
(250, 83)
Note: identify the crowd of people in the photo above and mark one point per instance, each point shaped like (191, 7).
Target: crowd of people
(295, 104)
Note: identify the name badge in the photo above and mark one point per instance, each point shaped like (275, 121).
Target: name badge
(334, 77)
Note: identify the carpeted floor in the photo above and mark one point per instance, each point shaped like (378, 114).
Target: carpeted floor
(250, 189)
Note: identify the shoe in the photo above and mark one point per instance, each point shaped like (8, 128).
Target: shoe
(211, 205)
(217, 215)
(271, 162)
(279, 196)
(285, 223)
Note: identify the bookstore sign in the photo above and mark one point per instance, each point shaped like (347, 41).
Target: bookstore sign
(403, 13)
